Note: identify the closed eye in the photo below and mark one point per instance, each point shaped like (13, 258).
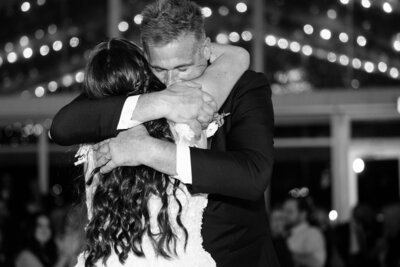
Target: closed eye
(158, 69)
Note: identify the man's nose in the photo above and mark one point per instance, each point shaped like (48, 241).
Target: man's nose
(171, 78)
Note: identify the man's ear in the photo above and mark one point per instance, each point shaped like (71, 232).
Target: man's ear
(207, 48)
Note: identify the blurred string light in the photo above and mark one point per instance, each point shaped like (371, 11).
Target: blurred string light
(8, 47)
(361, 41)
(27, 52)
(343, 37)
(222, 38)
(247, 36)
(333, 215)
(24, 40)
(52, 29)
(356, 63)
(387, 7)
(308, 29)
(25, 6)
(382, 67)
(57, 45)
(234, 37)
(366, 3)
(74, 41)
(67, 80)
(52, 86)
(331, 13)
(123, 26)
(241, 7)
(138, 19)
(44, 50)
(39, 91)
(369, 66)
(394, 73)
(358, 165)
(396, 42)
(223, 11)
(325, 34)
(207, 12)
(330, 56)
(283, 43)
(39, 34)
(12, 57)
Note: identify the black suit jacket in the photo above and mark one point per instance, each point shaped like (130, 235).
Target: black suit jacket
(235, 172)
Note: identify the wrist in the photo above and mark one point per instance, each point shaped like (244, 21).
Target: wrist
(147, 150)
(162, 103)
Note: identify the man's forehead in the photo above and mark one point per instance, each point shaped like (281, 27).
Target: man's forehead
(170, 55)
(185, 43)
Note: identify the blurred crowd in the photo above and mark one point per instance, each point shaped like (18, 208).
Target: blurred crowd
(37, 233)
(43, 235)
(305, 236)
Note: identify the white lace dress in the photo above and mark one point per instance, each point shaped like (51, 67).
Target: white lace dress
(192, 215)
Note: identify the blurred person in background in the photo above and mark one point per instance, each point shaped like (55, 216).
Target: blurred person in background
(323, 222)
(356, 241)
(279, 237)
(40, 249)
(390, 252)
(305, 242)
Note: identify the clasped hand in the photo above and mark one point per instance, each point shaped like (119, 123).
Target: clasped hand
(187, 103)
(183, 102)
(128, 148)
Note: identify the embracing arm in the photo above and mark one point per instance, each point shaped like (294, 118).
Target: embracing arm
(228, 63)
(85, 120)
(243, 170)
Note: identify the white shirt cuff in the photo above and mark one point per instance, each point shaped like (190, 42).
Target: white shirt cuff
(125, 121)
(183, 164)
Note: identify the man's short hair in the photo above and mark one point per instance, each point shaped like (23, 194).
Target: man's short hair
(166, 20)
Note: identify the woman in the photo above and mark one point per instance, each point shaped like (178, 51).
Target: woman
(139, 216)
(41, 250)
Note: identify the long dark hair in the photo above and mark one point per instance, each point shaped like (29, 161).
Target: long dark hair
(120, 215)
(45, 253)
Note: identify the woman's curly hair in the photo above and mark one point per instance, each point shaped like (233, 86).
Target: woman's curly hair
(120, 215)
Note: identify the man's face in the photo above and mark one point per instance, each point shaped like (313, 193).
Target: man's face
(292, 214)
(180, 60)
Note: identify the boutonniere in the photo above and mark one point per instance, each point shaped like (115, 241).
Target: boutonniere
(217, 122)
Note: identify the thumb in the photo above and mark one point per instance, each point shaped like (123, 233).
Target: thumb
(196, 128)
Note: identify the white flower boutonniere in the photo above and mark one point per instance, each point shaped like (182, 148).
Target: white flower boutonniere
(217, 122)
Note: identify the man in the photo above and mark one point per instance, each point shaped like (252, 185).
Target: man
(234, 172)
(305, 242)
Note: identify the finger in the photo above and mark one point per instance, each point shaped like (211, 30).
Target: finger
(102, 152)
(108, 167)
(207, 97)
(204, 118)
(196, 128)
(208, 110)
(213, 105)
(192, 84)
(102, 161)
